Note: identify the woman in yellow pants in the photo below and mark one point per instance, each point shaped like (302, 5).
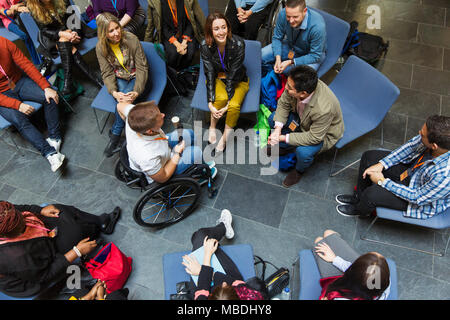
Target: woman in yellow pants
(226, 79)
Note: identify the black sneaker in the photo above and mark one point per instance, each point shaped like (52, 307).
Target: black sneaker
(347, 210)
(346, 199)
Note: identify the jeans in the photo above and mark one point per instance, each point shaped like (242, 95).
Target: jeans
(191, 154)
(123, 86)
(27, 90)
(268, 58)
(304, 154)
(14, 28)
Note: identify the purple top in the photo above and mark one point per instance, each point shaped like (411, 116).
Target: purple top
(123, 6)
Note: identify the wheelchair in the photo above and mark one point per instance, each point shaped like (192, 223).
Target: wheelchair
(163, 204)
(265, 32)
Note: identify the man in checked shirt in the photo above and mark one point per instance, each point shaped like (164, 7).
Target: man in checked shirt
(413, 178)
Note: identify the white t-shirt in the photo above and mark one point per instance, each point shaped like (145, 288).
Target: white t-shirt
(146, 154)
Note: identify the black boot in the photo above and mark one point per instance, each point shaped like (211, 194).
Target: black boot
(65, 53)
(86, 70)
(113, 145)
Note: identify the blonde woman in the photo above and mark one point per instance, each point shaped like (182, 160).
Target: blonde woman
(124, 68)
(60, 35)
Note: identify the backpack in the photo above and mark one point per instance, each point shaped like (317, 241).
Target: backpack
(366, 46)
(270, 84)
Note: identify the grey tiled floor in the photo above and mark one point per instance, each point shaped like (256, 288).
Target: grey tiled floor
(278, 222)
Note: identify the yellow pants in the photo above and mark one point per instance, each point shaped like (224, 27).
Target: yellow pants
(234, 105)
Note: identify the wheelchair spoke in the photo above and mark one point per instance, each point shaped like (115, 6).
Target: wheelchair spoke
(157, 214)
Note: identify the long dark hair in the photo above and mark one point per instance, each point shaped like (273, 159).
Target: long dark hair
(356, 281)
(209, 38)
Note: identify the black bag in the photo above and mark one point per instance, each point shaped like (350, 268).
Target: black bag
(277, 281)
(366, 46)
(184, 291)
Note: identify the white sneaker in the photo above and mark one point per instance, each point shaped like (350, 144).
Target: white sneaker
(55, 143)
(226, 218)
(56, 160)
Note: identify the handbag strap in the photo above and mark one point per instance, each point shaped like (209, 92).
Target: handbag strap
(264, 263)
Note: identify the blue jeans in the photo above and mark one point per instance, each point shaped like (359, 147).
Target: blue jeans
(125, 86)
(35, 57)
(268, 58)
(27, 90)
(191, 154)
(304, 154)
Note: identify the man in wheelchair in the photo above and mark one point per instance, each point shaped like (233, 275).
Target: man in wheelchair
(151, 151)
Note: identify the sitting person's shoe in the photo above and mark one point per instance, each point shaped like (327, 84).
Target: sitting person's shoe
(55, 143)
(346, 199)
(113, 146)
(203, 180)
(56, 160)
(347, 210)
(226, 219)
(211, 164)
(110, 220)
(292, 178)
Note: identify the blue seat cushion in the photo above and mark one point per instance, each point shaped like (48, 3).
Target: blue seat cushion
(241, 254)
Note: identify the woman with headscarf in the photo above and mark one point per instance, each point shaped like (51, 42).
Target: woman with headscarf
(38, 244)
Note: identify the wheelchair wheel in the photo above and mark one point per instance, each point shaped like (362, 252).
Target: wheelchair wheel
(124, 176)
(167, 203)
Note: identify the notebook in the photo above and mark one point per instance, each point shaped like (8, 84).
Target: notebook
(215, 264)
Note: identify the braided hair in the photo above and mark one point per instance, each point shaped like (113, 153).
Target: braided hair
(10, 218)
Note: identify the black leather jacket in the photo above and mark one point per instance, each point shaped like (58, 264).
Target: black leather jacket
(234, 64)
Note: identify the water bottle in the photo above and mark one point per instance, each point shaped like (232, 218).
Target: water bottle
(256, 142)
(286, 294)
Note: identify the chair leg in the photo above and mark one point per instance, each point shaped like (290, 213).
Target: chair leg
(98, 123)
(104, 125)
(364, 237)
(446, 247)
(332, 164)
(96, 119)
(65, 101)
(345, 168)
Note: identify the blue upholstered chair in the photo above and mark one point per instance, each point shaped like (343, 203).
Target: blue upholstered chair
(252, 63)
(437, 222)
(205, 6)
(8, 35)
(156, 76)
(365, 96)
(31, 27)
(174, 271)
(310, 288)
(337, 32)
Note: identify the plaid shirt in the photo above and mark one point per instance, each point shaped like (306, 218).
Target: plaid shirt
(428, 192)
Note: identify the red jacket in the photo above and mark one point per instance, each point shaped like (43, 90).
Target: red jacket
(14, 63)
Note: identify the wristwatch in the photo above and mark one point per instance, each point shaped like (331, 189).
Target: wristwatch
(380, 182)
